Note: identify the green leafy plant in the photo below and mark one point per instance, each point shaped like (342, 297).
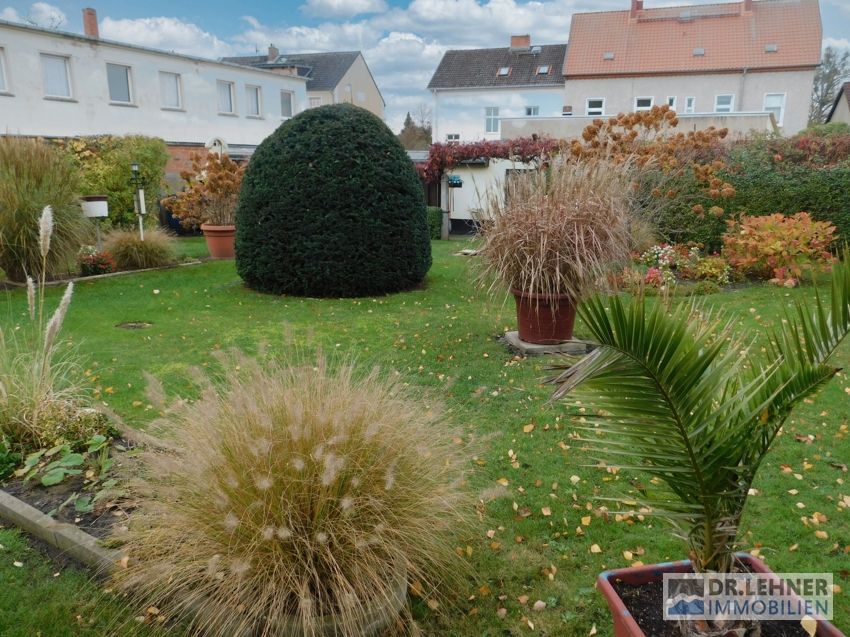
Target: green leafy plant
(778, 247)
(331, 205)
(92, 262)
(52, 465)
(9, 459)
(301, 495)
(131, 253)
(435, 221)
(670, 395)
(558, 230)
(34, 174)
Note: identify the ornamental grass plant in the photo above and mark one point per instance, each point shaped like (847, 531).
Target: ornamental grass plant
(557, 230)
(302, 495)
(131, 253)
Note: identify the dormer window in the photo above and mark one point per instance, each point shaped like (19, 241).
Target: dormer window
(543, 69)
(504, 71)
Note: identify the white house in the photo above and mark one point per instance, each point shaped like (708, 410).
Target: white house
(57, 84)
(474, 89)
(840, 111)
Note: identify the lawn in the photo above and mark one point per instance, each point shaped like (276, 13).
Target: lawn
(443, 338)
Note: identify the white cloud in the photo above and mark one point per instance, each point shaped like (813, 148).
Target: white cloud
(169, 34)
(342, 8)
(40, 14)
(837, 43)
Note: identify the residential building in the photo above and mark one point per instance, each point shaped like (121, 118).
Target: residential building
(474, 89)
(58, 84)
(841, 107)
(332, 78)
(718, 59)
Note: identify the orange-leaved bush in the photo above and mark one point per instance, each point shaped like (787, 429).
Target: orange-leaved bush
(211, 192)
(778, 247)
(303, 500)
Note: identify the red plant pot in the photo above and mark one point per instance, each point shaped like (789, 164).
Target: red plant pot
(626, 626)
(221, 240)
(541, 321)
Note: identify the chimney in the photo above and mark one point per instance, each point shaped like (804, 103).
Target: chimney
(273, 53)
(90, 23)
(747, 6)
(637, 7)
(520, 42)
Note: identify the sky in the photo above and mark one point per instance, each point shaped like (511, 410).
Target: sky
(402, 40)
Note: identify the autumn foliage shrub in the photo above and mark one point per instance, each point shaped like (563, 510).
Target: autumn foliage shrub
(778, 247)
(211, 192)
(300, 495)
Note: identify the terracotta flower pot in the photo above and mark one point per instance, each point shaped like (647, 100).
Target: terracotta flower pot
(221, 240)
(626, 626)
(541, 321)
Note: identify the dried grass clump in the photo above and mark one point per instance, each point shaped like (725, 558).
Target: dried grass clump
(557, 230)
(302, 494)
(131, 253)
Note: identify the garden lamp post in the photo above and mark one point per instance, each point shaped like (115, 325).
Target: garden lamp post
(139, 198)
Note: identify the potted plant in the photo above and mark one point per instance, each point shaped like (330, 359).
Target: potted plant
(209, 201)
(682, 405)
(552, 238)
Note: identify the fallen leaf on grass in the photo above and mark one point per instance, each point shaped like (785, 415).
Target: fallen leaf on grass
(628, 555)
(810, 625)
(594, 548)
(546, 511)
(528, 428)
(592, 631)
(575, 479)
(585, 521)
(821, 535)
(18, 564)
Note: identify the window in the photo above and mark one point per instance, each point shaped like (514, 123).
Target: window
(567, 110)
(643, 103)
(286, 98)
(4, 84)
(608, 55)
(56, 76)
(118, 78)
(543, 69)
(504, 71)
(225, 98)
(532, 111)
(671, 102)
(775, 103)
(724, 103)
(452, 137)
(169, 90)
(491, 119)
(315, 101)
(253, 101)
(690, 104)
(594, 106)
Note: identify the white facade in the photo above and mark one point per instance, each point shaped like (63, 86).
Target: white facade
(784, 93)
(63, 85)
(467, 115)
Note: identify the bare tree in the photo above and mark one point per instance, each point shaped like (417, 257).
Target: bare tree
(833, 72)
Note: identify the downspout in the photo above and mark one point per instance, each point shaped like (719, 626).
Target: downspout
(743, 89)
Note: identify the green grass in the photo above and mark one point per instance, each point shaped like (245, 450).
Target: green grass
(442, 337)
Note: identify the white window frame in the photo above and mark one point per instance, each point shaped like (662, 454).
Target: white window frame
(4, 88)
(540, 70)
(179, 82)
(130, 93)
(452, 137)
(638, 109)
(291, 95)
(591, 111)
(506, 69)
(690, 104)
(232, 87)
(532, 111)
(784, 96)
(731, 106)
(67, 62)
(316, 101)
(672, 100)
(259, 91)
(491, 119)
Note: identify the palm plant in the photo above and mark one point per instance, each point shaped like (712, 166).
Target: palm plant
(680, 397)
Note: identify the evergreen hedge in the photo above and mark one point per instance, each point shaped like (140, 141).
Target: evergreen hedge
(331, 206)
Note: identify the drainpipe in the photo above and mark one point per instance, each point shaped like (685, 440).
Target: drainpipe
(743, 89)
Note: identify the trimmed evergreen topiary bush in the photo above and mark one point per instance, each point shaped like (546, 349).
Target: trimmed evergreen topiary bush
(331, 206)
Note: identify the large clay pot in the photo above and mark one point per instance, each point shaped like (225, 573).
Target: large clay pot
(626, 626)
(543, 322)
(221, 240)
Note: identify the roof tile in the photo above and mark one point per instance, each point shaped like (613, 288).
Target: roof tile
(478, 68)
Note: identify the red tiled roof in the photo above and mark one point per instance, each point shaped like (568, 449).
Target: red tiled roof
(663, 40)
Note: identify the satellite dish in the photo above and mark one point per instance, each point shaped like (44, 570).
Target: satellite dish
(217, 145)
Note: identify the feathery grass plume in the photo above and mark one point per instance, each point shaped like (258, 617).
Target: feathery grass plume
(31, 297)
(55, 322)
(45, 231)
(557, 230)
(278, 516)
